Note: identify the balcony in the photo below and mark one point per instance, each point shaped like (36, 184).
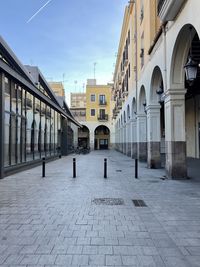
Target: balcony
(168, 9)
(103, 117)
(120, 79)
(124, 94)
(119, 103)
(102, 103)
(125, 62)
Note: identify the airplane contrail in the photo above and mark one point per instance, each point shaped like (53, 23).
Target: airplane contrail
(38, 11)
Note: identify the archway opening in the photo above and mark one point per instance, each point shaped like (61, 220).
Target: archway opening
(102, 137)
(192, 105)
(158, 104)
(83, 137)
(185, 119)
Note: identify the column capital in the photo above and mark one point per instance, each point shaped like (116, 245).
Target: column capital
(174, 94)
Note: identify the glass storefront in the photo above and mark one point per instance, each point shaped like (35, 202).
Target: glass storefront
(32, 128)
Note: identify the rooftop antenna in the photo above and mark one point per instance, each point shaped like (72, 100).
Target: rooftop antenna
(95, 69)
(83, 87)
(75, 82)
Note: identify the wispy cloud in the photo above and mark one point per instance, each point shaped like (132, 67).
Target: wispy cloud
(38, 11)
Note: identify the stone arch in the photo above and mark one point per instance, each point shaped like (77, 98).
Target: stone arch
(128, 113)
(124, 116)
(102, 137)
(133, 109)
(142, 100)
(156, 84)
(179, 56)
(84, 136)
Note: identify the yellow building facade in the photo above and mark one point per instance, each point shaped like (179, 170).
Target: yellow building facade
(98, 103)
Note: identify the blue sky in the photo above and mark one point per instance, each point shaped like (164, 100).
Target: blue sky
(66, 37)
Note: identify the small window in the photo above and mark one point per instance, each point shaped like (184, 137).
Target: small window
(92, 98)
(92, 112)
(102, 99)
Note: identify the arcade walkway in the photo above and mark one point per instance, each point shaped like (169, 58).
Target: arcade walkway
(61, 221)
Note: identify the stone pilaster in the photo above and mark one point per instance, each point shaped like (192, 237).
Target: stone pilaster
(91, 140)
(175, 134)
(142, 136)
(128, 137)
(153, 136)
(124, 139)
(134, 138)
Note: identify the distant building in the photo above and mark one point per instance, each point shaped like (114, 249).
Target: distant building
(58, 88)
(94, 111)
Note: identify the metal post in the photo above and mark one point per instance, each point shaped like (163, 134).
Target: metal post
(2, 124)
(136, 168)
(105, 168)
(43, 167)
(74, 168)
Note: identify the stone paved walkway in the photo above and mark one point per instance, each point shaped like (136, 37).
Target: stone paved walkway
(54, 221)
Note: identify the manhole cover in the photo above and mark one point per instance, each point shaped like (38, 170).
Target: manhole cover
(108, 201)
(139, 203)
(118, 170)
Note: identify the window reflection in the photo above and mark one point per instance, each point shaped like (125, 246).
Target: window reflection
(32, 129)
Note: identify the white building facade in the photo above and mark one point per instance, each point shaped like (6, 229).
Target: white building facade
(159, 121)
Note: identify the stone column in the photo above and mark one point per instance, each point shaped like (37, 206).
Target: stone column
(121, 139)
(142, 136)
(134, 138)
(92, 140)
(153, 136)
(128, 137)
(124, 139)
(175, 133)
(2, 104)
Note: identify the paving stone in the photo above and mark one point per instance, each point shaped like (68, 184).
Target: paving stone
(64, 260)
(80, 260)
(113, 260)
(96, 260)
(47, 259)
(89, 250)
(53, 222)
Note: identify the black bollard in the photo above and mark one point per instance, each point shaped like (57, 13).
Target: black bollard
(60, 156)
(74, 168)
(136, 168)
(43, 167)
(105, 168)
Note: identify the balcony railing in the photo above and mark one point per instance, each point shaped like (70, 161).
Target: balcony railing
(103, 117)
(168, 9)
(102, 103)
(119, 103)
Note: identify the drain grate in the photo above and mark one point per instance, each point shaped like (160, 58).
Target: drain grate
(139, 203)
(118, 170)
(108, 201)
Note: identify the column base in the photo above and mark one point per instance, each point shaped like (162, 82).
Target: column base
(134, 150)
(176, 167)
(128, 151)
(154, 157)
(143, 151)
